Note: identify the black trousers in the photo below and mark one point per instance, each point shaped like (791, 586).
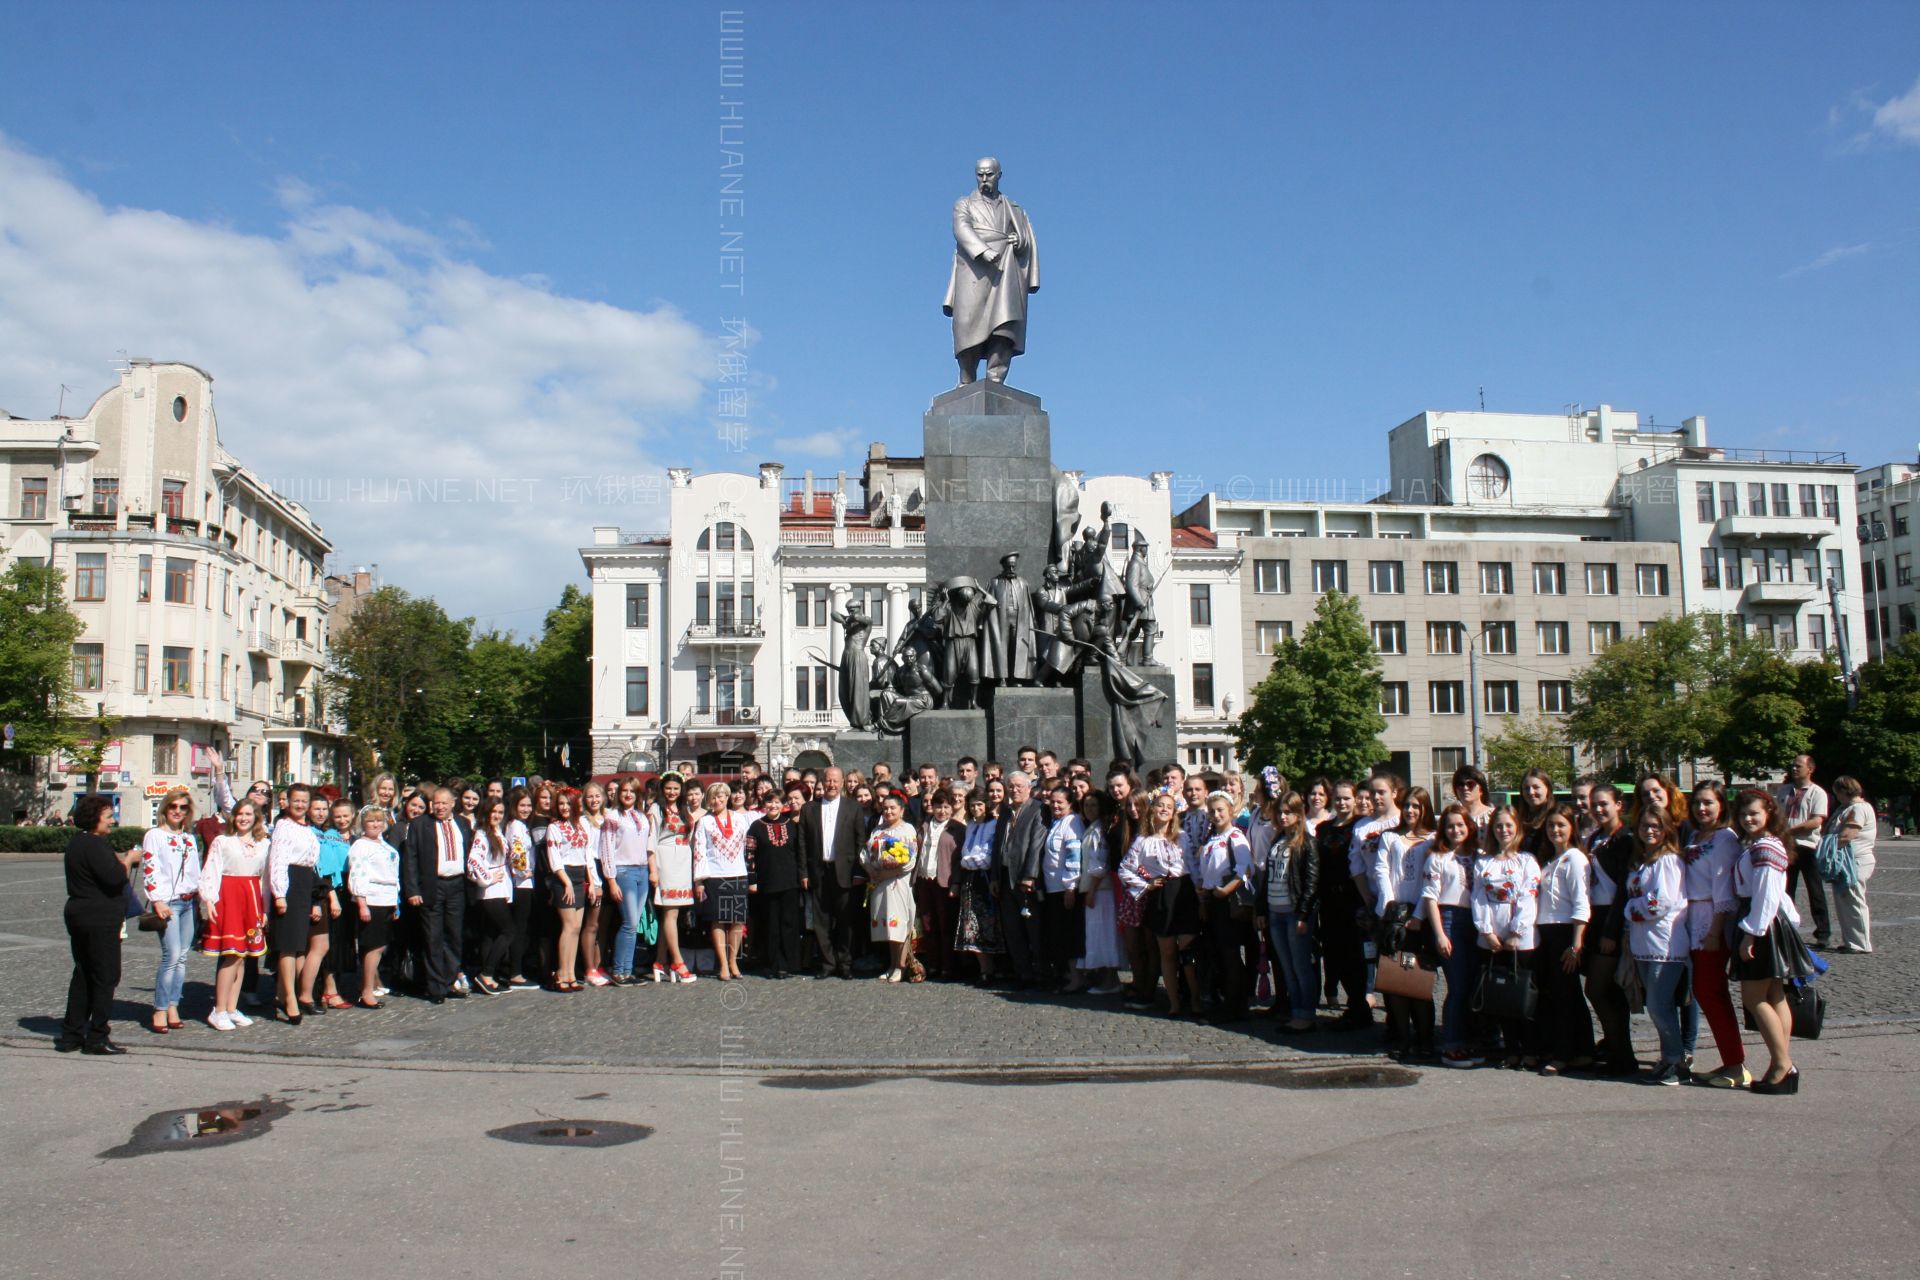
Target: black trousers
(1021, 933)
(443, 920)
(522, 930)
(1223, 938)
(1063, 930)
(1343, 954)
(496, 928)
(95, 942)
(1562, 1025)
(844, 911)
(1800, 871)
(780, 912)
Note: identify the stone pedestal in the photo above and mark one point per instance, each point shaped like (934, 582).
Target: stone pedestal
(940, 738)
(1047, 719)
(1096, 720)
(855, 750)
(989, 478)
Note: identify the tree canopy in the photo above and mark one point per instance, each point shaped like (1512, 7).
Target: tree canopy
(1318, 709)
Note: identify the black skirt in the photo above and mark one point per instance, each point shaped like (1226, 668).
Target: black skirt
(726, 901)
(1774, 956)
(289, 933)
(556, 888)
(1172, 910)
(373, 932)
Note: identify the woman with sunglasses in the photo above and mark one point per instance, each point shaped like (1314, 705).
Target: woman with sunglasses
(230, 898)
(170, 873)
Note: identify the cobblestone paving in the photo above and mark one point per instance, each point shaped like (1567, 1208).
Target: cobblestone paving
(794, 1024)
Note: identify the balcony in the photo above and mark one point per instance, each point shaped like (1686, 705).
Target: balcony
(726, 632)
(263, 642)
(812, 719)
(1787, 594)
(1806, 529)
(724, 718)
(303, 652)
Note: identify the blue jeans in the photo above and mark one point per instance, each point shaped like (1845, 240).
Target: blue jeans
(1664, 980)
(1293, 954)
(633, 902)
(175, 942)
(1462, 968)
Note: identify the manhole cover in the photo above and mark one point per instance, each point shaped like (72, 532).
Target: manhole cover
(572, 1133)
(196, 1128)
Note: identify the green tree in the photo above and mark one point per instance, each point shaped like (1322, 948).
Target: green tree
(1645, 701)
(37, 632)
(501, 740)
(561, 694)
(1881, 736)
(1523, 745)
(402, 668)
(1755, 720)
(1318, 710)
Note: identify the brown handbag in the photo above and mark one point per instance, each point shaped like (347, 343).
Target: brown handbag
(1400, 974)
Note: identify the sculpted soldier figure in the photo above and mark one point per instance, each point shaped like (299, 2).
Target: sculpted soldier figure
(965, 616)
(1006, 651)
(995, 267)
(1137, 603)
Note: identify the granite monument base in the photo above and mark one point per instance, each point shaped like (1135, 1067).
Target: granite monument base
(989, 483)
(1043, 718)
(854, 749)
(940, 738)
(1162, 745)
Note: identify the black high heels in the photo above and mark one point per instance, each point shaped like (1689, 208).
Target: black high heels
(1789, 1083)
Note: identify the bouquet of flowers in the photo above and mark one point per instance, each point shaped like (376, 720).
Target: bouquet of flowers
(895, 857)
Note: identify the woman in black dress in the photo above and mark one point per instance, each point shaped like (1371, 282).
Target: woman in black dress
(95, 912)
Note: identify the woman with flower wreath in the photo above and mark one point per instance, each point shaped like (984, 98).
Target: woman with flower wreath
(675, 807)
(230, 897)
(891, 851)
(720, 878)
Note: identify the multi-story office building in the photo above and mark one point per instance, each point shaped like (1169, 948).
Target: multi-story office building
(714, 638)
(1885, 495)
(200, 588)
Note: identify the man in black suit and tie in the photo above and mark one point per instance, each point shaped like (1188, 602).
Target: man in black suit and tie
(833, 832)
(433, 879)
(1019, 841)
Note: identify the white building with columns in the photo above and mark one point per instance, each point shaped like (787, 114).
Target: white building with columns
(714, 640)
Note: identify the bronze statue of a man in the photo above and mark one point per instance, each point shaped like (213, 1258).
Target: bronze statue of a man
(995, 267)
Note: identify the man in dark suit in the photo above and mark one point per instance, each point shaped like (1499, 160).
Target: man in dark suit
(926, 782)
(833, 832)
(433, 880)
(1019, 841)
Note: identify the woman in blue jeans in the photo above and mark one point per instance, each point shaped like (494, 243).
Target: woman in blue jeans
(1656, 912)
(624, 847)
(1444, 896)
(170, 874)
(1292, 872)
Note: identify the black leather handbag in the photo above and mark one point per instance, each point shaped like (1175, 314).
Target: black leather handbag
(1506, 991)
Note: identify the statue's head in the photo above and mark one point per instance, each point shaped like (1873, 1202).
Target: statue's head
(1088, 535)
(1050, 575)
(1009, 564)
(987, 173)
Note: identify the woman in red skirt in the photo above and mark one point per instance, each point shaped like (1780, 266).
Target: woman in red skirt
(231, 899)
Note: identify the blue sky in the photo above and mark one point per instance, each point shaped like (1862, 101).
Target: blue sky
(1268, 234)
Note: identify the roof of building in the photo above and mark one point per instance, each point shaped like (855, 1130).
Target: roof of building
(1194, 535)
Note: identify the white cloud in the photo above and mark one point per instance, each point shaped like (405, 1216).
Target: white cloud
(352, 347)
(839, 443)
(1838, 253)
(1899, 118)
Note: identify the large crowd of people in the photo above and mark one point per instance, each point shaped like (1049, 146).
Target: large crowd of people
(1489, 933)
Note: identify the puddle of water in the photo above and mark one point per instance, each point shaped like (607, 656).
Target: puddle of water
(192, 1129)
(572, 1133)
(1382, 1076)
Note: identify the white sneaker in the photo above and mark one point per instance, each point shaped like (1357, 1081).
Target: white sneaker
(219, 1021)
(382, 991)
(239, 1019)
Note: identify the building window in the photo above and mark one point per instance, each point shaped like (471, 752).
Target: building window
(637, 611)
(1446, 762)
(1446, 697)
(1817, 632)
(1496, 578)
(810, 688)
(1830, 501)
(166, 753)
(139, 668)
(1902, 568)
(1269, 636)
(1549, 579)
(1500, 638)
(1200, 604)
(89, 663)
(1651, 579)
(1837, 569)
(1487, 477)
(106, 495)
(1782, 501)
(1709, 568)
(1603, 580)
(179, 586)
(1329, 575)
(1203, 684)
(173, 499)
(1393, 698)
(1386, 577)
(1756, 499)
(1556, 696)
(1809, 504)
(1552, 636)
(1503, 697)
(702, 604)
(637, 699)
(33, 498)
(90, 575)
(1272, 577)
(1729, 498)
(1443, 578)
(176, 669)
(1389, 637)
(1444, 637)
(144, 583)
(1602, 634)
(223, 675)
(1703, 498)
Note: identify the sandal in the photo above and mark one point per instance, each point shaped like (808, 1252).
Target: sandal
(159, 1025)
(335, 1001)
(174, 1024)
